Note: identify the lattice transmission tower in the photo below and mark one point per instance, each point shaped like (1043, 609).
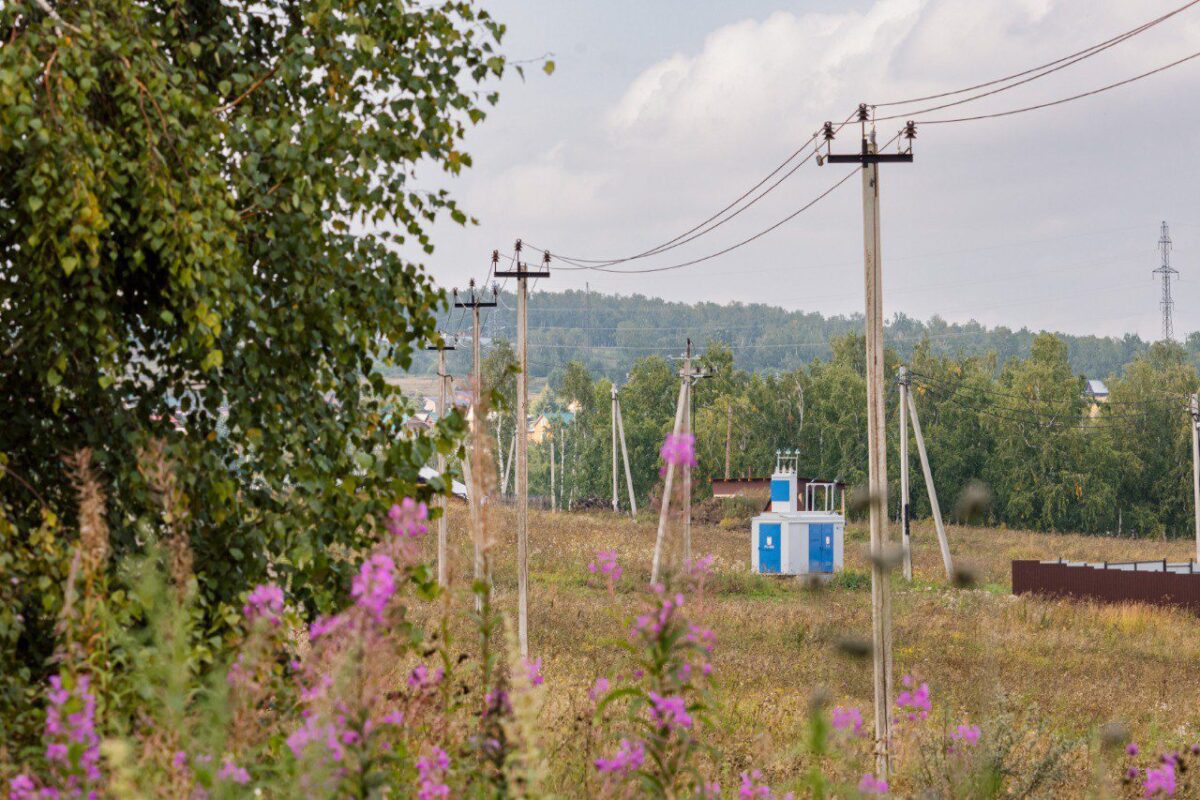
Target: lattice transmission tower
(1167, 304)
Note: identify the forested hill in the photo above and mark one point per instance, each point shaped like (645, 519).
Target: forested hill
(609, 332)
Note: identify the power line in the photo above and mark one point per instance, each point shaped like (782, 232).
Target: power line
(687, 236)
(1050, 67)
(1010, 112)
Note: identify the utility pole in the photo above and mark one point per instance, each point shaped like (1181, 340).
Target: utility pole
(625, 456)
(881, 601)
(553, 496)
(614, 447)
(905, 509)
(475, 303)
(521, 272)
(1166, 271)
(665, 512)
(728, 435)
(442, 565)
(1195, 409)
(934, 506)
(682, 424)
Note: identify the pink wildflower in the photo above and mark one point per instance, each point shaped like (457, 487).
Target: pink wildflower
(872, 785)
(847, 719)
(71, 721)
(751, 786)
(1160, 782)
(679, 449)
(323, 626)
(232, 772)
(914, 702)
(1132, 749)
(533, 671)
(605, 564)
(967, 735)
(374, 584)
(422, 677)
(407, 519)
(629, 757)
(431, 775)
(599, 689)
(22, 787)
(669, 712)
(265, 602)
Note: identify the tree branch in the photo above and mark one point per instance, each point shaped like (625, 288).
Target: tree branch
(259, 81)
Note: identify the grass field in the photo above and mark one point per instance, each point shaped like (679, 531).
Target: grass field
(1069, 667)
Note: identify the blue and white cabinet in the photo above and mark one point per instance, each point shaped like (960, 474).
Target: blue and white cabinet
(794, 537)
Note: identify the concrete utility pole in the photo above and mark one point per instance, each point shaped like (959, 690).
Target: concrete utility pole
(682, 424)
(1195, 409)
(625, 457)
(475, 303)
(728, 434)
(553, 496)
(881, 601)
(523, 274)
(442, 565)
(665, 512)
(936, 508)
(614, 447)
(905, 510)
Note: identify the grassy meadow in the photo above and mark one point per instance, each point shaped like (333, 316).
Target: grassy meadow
(1041, 667)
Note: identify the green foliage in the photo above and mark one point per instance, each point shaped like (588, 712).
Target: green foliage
(202, 224)
(1020, 433)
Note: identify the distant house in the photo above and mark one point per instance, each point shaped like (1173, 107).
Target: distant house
(539, 428)
(1096, 393)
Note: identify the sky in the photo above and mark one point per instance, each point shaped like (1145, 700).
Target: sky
(659, 113)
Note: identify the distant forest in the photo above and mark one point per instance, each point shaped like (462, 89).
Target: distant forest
(608, 333)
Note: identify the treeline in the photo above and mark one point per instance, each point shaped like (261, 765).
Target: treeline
(1053, 459)
(607, 334)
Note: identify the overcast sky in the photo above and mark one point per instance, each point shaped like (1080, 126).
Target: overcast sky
(661, 112)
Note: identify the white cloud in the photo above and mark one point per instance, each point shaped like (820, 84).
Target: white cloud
(695, 128)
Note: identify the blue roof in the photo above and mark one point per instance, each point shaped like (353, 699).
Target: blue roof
(1097, 388)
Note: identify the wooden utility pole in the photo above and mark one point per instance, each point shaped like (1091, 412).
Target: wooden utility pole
(905, 510)
(442, 565)
(553, 497)
(614, 447)
(943, 542)
(1195, 409)
(625, 457)
(881, 600)
(475, 303)
(728, 435)
(523, 274)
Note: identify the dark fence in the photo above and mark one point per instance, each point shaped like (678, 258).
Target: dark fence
(1157, 582)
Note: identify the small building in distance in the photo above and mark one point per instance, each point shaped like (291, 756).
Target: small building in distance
(1096, 393)
(797, 536)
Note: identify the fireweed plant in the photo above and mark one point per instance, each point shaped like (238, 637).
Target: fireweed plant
(366, 703)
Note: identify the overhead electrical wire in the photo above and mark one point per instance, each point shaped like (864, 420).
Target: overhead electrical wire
(948, 386)
(1038, 106)
(1023, 416)
(695, 232)
(1050, 67)
(737, 245)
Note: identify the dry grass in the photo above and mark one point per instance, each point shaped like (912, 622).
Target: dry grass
(1073, 666)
